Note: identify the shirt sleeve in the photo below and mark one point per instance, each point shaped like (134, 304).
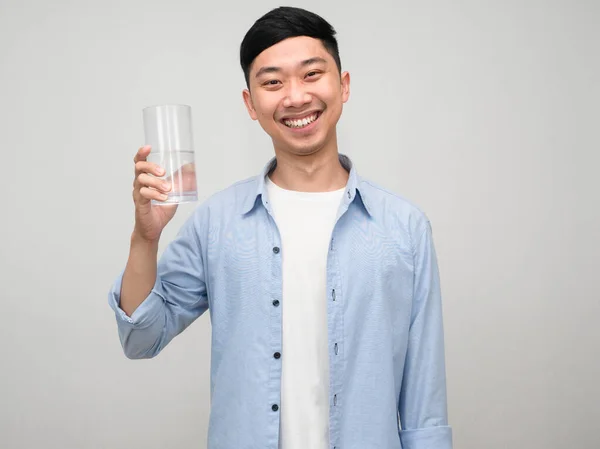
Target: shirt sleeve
(423, 403)
(178, 297)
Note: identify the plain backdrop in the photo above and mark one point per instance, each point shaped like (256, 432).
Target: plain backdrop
(485, 114)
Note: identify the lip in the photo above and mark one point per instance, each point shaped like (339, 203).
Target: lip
(298, 117)
(306, 128)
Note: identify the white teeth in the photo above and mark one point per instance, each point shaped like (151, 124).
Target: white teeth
(301, 123)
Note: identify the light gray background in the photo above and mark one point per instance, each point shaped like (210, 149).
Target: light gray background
(483, 113)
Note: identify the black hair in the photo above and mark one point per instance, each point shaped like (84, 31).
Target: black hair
(282, 23)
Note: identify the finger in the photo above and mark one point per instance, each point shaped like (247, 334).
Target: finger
(185, 171)
(151, 194)
(188, 168)
(188, 177)
(138, 198)
(142, 153)
(148, 167)
(145, 180)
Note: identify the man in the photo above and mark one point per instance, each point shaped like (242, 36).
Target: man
(322, 288)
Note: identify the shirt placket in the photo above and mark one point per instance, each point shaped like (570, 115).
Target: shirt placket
(274, 285)
(335, 323)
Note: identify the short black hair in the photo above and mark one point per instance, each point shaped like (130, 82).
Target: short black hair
(282, 23)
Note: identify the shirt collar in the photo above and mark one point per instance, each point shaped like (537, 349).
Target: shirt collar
(353, 187)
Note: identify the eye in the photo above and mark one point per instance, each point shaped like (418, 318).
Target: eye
(270, 83)
(313, 75)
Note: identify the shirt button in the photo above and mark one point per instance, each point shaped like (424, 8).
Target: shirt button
(333, 294)
(276, 303)
(277, 355)
(276, 250)
(275, 407)
(349, 196)
(336, 349)
(335, 399)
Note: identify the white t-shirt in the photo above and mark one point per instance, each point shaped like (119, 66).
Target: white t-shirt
(305, 221)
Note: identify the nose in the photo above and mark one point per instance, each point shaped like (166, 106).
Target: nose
(296, 96)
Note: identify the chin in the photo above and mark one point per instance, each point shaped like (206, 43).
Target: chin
(301, 150)
(299, 144)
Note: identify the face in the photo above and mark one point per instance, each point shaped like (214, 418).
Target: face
(296, 93)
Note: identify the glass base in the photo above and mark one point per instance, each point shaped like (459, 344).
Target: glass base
(177, 198)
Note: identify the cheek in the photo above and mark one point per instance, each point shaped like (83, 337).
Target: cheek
(265, 108)
(331, 95)
(334, 105)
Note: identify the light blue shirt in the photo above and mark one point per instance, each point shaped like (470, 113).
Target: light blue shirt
(384, 316)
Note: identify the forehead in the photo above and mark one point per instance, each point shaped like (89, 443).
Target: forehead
(289, 52)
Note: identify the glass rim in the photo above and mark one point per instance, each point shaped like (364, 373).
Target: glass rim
(163, 105)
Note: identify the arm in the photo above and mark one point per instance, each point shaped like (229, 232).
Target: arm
(140, 273)
(423, 403)
(154, 302)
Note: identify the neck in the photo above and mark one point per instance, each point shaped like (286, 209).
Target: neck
(320, 171)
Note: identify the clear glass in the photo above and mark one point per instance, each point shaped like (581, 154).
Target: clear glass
(168, 130)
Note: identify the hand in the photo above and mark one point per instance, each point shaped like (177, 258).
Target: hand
(150, 221)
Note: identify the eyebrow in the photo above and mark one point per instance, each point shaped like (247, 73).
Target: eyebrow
(272, 69)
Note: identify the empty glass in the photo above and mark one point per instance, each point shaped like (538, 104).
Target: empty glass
(168, 130)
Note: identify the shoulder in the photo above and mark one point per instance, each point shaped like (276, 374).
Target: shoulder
(394, 210)
(234, 193)
(228, 201)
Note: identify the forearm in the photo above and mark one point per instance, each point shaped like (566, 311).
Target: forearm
(423, 399)
(140, 273)
(154, 300)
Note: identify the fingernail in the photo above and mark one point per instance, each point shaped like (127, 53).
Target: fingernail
(166, 185)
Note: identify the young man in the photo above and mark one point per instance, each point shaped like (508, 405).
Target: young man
(322, 288)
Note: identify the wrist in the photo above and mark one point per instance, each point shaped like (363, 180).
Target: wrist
(139, 241)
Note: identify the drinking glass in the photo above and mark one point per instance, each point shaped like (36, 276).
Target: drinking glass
(168, 130)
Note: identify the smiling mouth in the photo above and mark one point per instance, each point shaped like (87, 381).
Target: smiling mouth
(301, 122)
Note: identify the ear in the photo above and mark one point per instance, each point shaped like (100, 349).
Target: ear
(247, 96)
(345, 84)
